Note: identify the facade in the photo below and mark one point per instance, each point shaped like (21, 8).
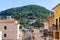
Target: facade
(46, 25)
(21, 35)
(57, 15)
(51, 22)
(10, 29)
(56, 33)
(0, 35)
(36, 35)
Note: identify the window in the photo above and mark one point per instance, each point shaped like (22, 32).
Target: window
(5, 27)
(4, 35)
(20, 27)
(56, 24)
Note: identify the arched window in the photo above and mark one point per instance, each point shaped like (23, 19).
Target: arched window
(5, 27)
(5, 35)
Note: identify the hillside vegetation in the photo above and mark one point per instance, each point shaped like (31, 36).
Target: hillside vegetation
(27, 12)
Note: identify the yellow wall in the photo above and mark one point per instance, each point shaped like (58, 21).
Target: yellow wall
(57, 15)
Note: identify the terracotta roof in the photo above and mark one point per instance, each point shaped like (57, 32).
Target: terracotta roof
(56, 6)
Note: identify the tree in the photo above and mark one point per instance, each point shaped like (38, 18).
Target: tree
(28, 12)
(25, 25)
(38, 24)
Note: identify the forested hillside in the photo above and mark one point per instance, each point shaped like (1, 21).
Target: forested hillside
(27, 12)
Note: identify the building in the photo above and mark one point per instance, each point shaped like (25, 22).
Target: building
(51, 22)
(56, 33)
(46, 25)
(36, 35)
(21, 34)
(10, 29)
(31, 21)
(0, 35)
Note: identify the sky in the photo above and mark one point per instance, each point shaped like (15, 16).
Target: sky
(7, 4)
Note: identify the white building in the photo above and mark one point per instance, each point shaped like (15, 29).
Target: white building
(10, 29)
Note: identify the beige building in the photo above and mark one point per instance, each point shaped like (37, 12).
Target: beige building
(10, 29)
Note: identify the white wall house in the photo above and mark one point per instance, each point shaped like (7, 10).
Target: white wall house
(10, 29)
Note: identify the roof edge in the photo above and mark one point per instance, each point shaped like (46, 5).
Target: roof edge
(56, 6)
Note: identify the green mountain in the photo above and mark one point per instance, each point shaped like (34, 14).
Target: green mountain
(27, 12)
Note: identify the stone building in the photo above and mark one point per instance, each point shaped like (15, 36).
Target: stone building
(9, 28)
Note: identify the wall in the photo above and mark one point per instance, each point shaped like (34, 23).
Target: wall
(11, 31)
(57, 15)
(0, 35)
